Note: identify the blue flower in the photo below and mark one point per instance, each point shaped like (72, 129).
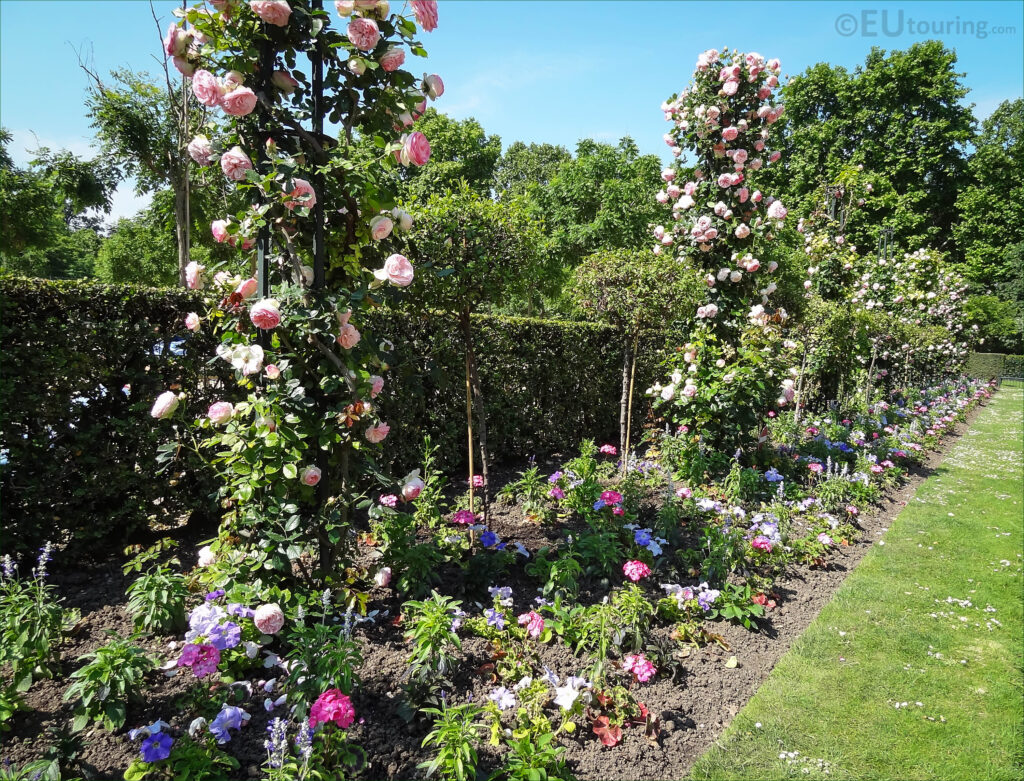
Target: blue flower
(224, 636)
(642, 537)
(488, 539)
(598, 505)
(230, 717)
(235, 609)
(773, 475)
(555, 477)
(215, 595)
(156, 747)
(495, 618)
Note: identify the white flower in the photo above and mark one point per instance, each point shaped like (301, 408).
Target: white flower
(565, 696)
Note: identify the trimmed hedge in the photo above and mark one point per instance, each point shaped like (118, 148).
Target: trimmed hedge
(79, 455)
(990, 365)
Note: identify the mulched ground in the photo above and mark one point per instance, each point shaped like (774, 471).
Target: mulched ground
(693, 710)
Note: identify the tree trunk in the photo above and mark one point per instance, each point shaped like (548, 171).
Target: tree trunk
(481, 412)
(624, 398)
(181, 224)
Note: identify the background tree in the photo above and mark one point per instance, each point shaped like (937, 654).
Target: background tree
(460, 150)
(480, 252)
(524, 167)
(634, 290)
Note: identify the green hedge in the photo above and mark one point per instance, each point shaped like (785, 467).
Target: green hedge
(78, 454)
(989, 365)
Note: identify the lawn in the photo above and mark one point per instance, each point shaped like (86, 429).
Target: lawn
(914, 670)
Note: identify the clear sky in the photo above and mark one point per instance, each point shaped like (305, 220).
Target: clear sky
(545, 70)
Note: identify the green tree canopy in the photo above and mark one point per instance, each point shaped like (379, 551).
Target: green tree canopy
(459, 150)
(525, 166)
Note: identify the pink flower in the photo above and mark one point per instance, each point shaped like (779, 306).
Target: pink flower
(415, 150)
(206, 88)
(426, 13)
(816, 468)
(184, 67)
(176, 41)
(344, 7)
(618, 511)
(824, 539)
(389, 500)
(463, 517)
(376, 434)
(684, 492)
(265, 314)
(164, 405)
(611, 497)
(247, 287)
(434, 86)
(234, 163)
(478, 481)
(640, 666)
(199, 149)
(275, 12)
(205, 556)
(220, 412)
(852, 509)
(761, 543)
(412, 488)
(397, 270)
(269, 618)
(376, 385)
(310, 476)
(383, 576)
(192, 321)
(730, 134)
(301, 194)
(219, 229)
(392, 59)
(194, 275)
(272, 371)
(730, 87)
(777, 211)
(742, 230)
(609, 450)
(334, 706)
(349, 336)
(635, 570)
(363, 33)
(381, 227)
(203, 659)
(239, 102)
(284, 81)
(534, 624)
(556, 493)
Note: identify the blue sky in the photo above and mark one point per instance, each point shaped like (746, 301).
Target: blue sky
(531, 71)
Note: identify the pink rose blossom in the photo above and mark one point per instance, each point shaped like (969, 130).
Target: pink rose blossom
(376, 434)
(434, 86)
(284, 81)
(301, 194)
(376, 386)
(426, 14)
(344, 7)
(269, 619)
(363, 33)
(272, 371)
(164, 405)
(777, 211)
(234, 163)
(730, 134)
(349, 336)
(310, 475)
(334, 706)
(381, 227)
(397, 270)
(635, 570)
(176, 41)
(275, 12)
(412, 488)
(192, 321)
(415, 150)
(184, 67)
(199, 149)
(730, 87)
(194, 275)
(247, 287)
(265, 314)
(220, 412)
(742, 230)
(392, 59)
(533, 622)
(239, 102)
(219, 229)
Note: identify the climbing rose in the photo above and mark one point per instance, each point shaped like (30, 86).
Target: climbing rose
(219, 229)
(397, 270)
(220, 412)
(349, 336)
(199, 149)
(426, 14)
(247, 287)
(283, 81)
(363, 33)
(635, 570)
(434, 85)
(412, 488)
(269, 618)
(376, 385)
(381, 227)
(272, 371)
(777, 211)
(334, 706)
(344, 7)
(194, 275)
(377, 433)
(416, 149)
(192, 321)
(234, 163)
(301, 194)
(206, 88)
(265, 314)
(164, 405)
(239, 102)
(392, 59)
(275, 12)
(310, 475)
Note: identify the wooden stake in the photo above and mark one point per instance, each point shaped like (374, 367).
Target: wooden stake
(629, 407)
(469, 433)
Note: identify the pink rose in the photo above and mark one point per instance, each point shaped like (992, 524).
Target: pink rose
(219, 229)
(275, 12)
(412, 488)
(349, 336)
(376, 386)
(176, 41)
(220, 412)
(363, 33)
(234, 163)
(415, 150)
(334, 706)
(184, 67)
(777, 211)
(381, 227)
(247, 288)
(192, 321)
(265, 314)
(194, 276)
(376, 434)
(344, 7)
(269, 619)
(730, 134)
(774, 156)
(397, 270)
(283, 81)
(310, 476)
(426, 14)
(730, 87)
(164, 405)
(742, 230)
(239, 102)
(392, 59)
(206, 88)
(272, 371)
(433, 86)
(301, 194)
(199, 150)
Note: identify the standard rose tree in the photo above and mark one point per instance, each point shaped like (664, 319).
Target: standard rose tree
(295, 440)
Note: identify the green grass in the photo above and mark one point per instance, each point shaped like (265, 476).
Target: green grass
(889, 636)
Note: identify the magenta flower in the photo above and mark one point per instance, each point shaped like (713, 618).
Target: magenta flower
(635, 570)
(611, 497)
(465, 517)
(640, 666)
(609, 450)
(334, 706)
(203, 659)
(534, 623)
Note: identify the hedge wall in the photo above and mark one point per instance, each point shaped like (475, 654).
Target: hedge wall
(77, 454)
(989, 365)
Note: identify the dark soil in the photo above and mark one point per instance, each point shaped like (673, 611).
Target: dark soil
(693, 710)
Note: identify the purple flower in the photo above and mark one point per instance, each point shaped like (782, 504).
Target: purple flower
(642, 537)
(230, 717)
(224, 636)
(215, 595)
(488, 539)
(156, 747)
(555, 477)
(599, 505)
(495, 618)
(235, 609)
